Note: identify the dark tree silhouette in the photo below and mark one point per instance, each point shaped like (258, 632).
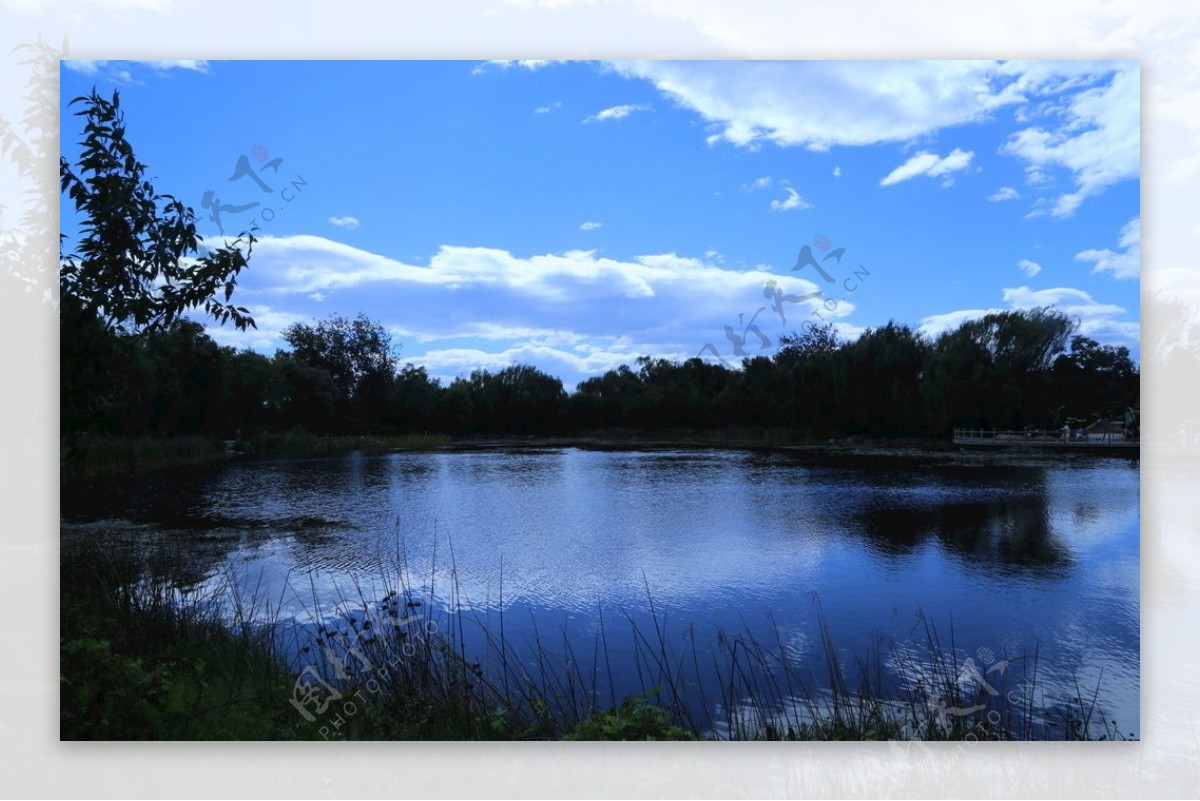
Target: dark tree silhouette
(133, 270)
(137, 265)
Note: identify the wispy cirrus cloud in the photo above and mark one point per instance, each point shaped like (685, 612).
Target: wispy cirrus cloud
(344, 222)
(1003, 194)
(617, 112)
(930, 164)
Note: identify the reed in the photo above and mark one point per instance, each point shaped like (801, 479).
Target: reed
(90, 456)
(297, 443)
(390, 661)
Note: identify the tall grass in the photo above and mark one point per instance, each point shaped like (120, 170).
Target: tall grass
(298, 443)
(88, 456)
(387, 662)
(92, 455)
(732, 686)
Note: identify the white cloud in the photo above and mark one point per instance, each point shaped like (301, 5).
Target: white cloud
(837, 172)
(304, 264)
(317, 296)
(119, 69)
(818, 104)
(1123, 264)
(507, 64)
(1099, 141)
(1087, 111)
(617, 112)
(589, 226)
(822, 104)
(447, 364)
(849, 331)
(84, 67)
(194, 65)
(926, 163)
(265, 338)
(793, 201)
(1097, 320)
(936, 324)
(1030, 268)
(344, 222)
(574, 302)
(500, 331)
(546, 109)
(1036, 177)
(1004, 193)
(758, 183)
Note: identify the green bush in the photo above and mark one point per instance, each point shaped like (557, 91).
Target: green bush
(635, 719)
(107, 696)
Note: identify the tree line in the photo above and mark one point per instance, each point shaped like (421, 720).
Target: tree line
(134, 364)
(344, 376)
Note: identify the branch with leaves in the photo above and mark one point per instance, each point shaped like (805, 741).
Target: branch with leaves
(137, 265)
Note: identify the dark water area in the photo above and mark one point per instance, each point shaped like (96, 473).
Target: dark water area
(1003, 555)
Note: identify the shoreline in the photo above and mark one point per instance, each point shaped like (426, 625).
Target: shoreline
(108, 456)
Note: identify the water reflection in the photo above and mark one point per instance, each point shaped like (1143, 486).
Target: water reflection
(1017, 555)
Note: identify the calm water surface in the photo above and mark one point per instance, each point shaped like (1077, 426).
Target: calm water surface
(1002, 554)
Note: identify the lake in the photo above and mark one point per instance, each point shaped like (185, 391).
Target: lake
(611, 558)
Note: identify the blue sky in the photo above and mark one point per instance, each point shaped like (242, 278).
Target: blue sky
(577, 215)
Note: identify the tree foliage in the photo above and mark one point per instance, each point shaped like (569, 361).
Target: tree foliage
(357, 353)
(137, 265)
(341, 377)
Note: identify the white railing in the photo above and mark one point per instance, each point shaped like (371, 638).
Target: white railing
(1041, 435)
